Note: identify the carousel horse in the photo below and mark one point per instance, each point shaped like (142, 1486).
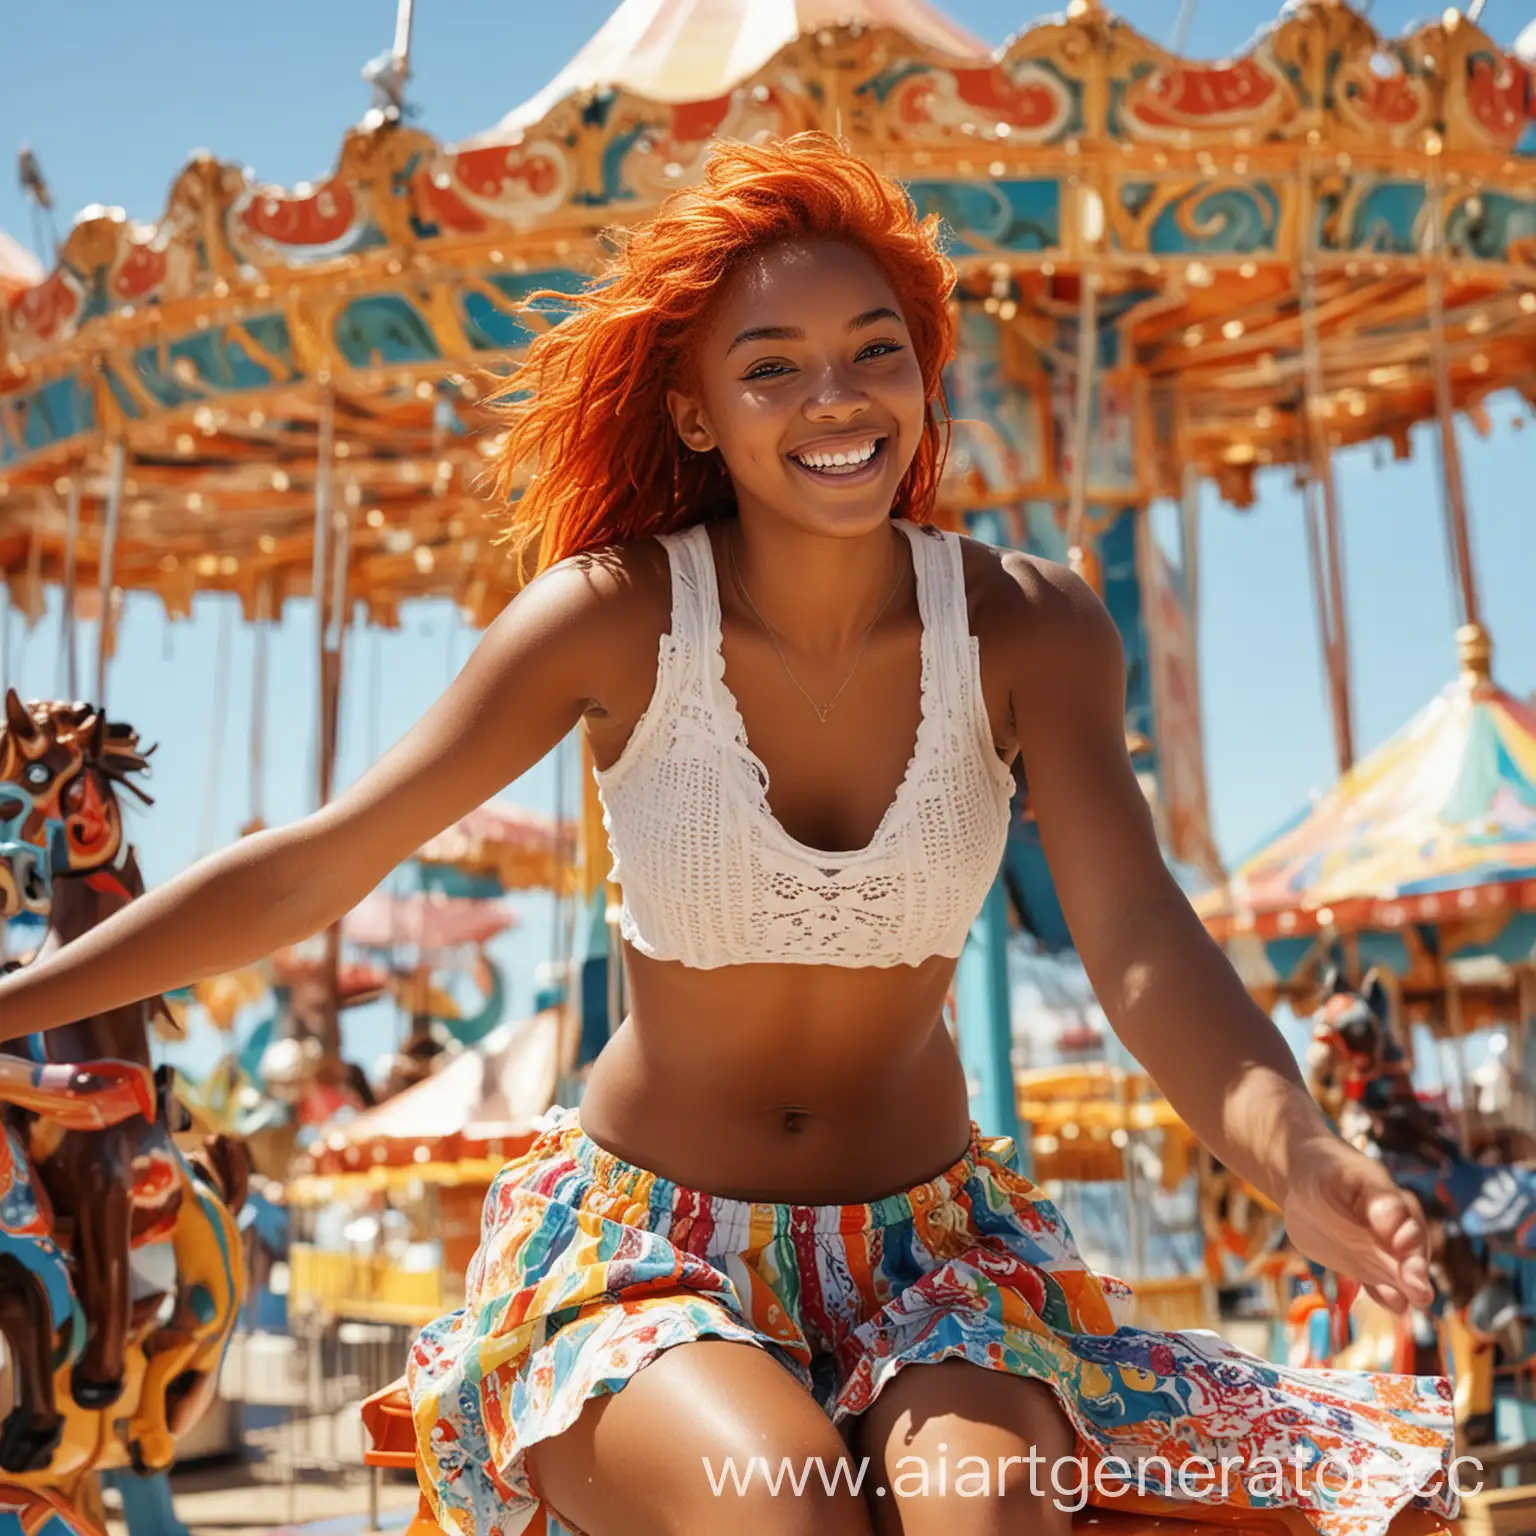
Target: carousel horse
(99, 1187)
(1360, 1075)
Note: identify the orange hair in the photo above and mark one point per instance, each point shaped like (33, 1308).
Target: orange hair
(586, 410)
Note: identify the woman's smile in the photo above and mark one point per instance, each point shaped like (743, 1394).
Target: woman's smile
(852, 458)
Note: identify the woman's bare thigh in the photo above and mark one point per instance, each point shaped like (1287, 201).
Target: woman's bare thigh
(690, 1444)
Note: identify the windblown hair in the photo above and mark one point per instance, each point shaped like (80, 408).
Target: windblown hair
(586, 411)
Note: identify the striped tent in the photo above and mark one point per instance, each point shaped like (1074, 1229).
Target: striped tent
(1426, 849)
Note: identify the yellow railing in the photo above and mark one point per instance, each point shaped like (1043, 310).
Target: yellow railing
(370, 1289)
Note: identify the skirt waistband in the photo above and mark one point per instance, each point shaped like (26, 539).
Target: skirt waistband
(613, 1173)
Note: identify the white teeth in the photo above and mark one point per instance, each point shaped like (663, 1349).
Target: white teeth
(850, 458)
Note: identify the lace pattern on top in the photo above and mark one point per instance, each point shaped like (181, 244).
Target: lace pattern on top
(711, 878)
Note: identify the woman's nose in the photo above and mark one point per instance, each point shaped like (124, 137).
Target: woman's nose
(835, 396)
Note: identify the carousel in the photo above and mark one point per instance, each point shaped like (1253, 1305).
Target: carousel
(1172, 272)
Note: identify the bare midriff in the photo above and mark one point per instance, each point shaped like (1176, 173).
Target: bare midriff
(787, 1083)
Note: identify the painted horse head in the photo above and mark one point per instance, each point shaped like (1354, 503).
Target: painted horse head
(1354, 1022)
(1357, 1056)
(60, 766)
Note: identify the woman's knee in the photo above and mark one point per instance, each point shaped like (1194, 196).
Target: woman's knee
(710, 1435)
(970, 1452)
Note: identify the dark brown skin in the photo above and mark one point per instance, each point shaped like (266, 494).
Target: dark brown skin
(800, 1083)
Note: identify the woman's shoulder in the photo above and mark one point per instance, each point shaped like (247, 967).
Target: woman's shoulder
(1026, 604)
(630, 578)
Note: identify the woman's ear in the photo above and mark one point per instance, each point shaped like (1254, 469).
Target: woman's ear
(688, 418)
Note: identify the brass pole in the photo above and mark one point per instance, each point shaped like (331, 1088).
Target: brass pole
(1453, 489)
(114, 509)
(69, 673)
(1328, 569)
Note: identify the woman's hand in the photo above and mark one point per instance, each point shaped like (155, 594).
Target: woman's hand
(1343, 1211)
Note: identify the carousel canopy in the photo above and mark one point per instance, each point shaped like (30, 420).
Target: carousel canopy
(426, 920)
(262, 350)
(1439, 823)
(508, 846)
(19, 268)
(697, 50)
(483, 1100)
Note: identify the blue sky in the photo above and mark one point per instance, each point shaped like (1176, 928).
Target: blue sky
(114, 98)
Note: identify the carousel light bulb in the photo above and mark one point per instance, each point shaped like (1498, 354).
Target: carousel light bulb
(61, 486)
(497, 257)
(1118, 1137)
(167, 563)
(257, 418)
(343, 450)
(280, 481)
(1478, 323)
(996, 168)
(424, 559)
(1193, 336)
(184, 443)
(207, 565)
(229, 565)
(267, 544)
(1232, 329)
(194, 501)
(424, 390)
(445, 468)
(1248, 269)
(1264, 417)
(1480, 364)
(1091, 216)
(375, 517)
(1007, 310)
(1198, 275)
(1528, 303)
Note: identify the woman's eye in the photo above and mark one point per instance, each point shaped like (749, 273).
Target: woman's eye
(766, 370)
(879, 349)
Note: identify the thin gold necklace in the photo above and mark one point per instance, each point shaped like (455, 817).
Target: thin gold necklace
(822, 710)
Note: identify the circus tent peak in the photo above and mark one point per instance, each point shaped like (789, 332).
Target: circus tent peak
(1437, 824)
(19, 268)
(697, 50)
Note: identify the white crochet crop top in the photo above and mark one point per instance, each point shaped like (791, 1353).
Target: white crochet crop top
(708, 875)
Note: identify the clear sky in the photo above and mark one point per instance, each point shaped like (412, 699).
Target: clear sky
(114, 98)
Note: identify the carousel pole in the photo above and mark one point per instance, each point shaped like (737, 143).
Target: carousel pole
(1082, 420)
(1473, 638)
(68, 670)
(114, 508)
(1325, 548)
(259, 648)
(325, 740)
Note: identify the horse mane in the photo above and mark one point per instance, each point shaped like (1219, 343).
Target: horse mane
(109, 747)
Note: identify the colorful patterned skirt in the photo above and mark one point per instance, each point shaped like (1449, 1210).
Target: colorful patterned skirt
(589, 1267)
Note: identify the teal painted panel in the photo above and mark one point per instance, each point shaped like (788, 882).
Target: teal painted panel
(994, 216)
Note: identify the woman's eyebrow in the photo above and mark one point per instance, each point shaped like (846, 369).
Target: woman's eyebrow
(794, 333)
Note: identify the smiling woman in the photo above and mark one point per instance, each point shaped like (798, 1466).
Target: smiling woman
(772, 1230)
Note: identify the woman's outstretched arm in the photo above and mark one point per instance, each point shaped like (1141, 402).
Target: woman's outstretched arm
(522, 690)
(1166, 987)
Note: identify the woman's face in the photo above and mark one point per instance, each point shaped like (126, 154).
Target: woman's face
(807, 384)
